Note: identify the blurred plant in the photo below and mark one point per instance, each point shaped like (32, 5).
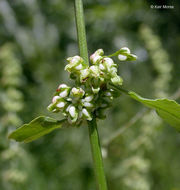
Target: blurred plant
(102, 76)
(134, 175)
(16, 165)
(11, 103)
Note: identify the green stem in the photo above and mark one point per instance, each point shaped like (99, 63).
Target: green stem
(81, 32)
(120, 89)
(97, 156)
(93, 132)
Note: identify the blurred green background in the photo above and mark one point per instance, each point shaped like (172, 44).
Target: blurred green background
(36, 37)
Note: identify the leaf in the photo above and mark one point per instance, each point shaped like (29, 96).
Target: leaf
(38, 127)
(168, 110)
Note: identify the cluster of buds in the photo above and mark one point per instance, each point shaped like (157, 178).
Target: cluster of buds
(124, 54)
(78, 104)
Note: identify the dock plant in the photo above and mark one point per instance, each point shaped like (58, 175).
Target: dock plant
(96, 85)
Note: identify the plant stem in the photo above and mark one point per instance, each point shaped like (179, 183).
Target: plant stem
(97, 156)
(93, 132)
(81, 32)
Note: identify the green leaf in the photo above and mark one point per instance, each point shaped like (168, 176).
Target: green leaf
(38, 127)
(168, 110)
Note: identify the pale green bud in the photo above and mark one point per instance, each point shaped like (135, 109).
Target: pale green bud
(64, 93)
(94, 70)
(84, 74)
(88, 104)
(75, 60)
(109, 63)
(72, 111)
(125, 50)
(122, 57)
(73, 114)
(86, 114)
(51, 107)
(77, 92)
(89, 98)
(68, 107)
(75, 63)
(63, 90)
(96, 56)
(125, 55)
(102, 67)
(55, 98)
(61, 105)
(113, 71)
(62, 86)
(117, 80)
(79, 67)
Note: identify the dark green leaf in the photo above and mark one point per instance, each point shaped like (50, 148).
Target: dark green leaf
(169, 110)
(36, 128)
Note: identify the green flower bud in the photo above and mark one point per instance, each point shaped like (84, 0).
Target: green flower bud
(113, 71)
(108, 63)
(73, 114)
(125, 50)
(86, 114)
(76, 63)
(125, 55)
(89, 98)
(61, 104)
(51, 107)
(102, 67)
(122, 57)
(94, 70)
(117, 80)
(84, 74)
(55, 99)
(77, 92)
(96, 56)
(63, 90)
(88, 105)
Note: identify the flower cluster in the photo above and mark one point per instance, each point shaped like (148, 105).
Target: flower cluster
(93, 94)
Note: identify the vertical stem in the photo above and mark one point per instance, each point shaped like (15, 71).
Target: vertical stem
(93, 132)
(81, 32)
(97, 156)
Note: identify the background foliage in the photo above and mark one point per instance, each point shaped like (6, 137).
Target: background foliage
(35, 39)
